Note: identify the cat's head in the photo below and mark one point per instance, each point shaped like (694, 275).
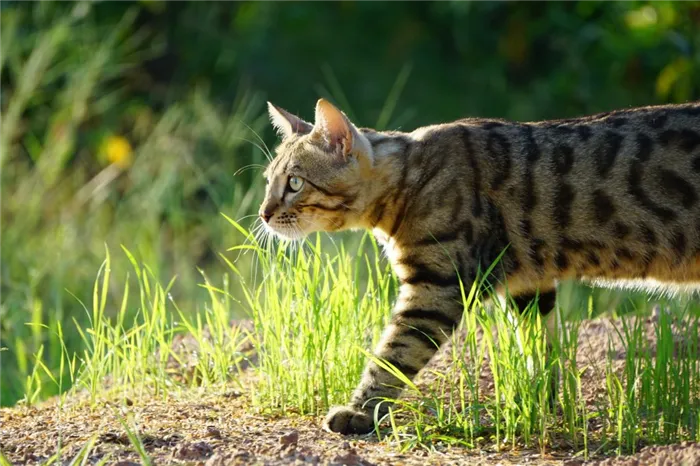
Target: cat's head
(316, 181)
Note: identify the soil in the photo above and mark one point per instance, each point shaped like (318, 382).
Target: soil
(220, 428)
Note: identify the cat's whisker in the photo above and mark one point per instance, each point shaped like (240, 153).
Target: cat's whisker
(255, 228)
(248, 167)
(262, 141)
(266, 153)
(263, 239)
(247, 216)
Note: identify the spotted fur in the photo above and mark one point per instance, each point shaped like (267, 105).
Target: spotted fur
(610, 198)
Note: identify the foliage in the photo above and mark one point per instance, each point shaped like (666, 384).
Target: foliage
(518, 60)
(86, 163)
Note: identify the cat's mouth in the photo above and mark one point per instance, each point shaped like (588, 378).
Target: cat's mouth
(287, 232)
(296, 227)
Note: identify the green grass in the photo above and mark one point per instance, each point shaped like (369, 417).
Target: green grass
(653, 399)
(63, 199)
(138, 351)
(317, 308)
(313, 312)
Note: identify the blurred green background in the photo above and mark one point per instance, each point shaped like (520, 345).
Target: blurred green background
(128, 123)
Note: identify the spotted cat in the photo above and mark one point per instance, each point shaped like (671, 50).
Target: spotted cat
(610, 198)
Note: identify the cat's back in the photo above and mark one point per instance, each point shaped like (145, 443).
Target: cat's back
(614, 195)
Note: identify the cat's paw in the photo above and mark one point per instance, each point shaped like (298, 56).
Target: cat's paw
(345, 420)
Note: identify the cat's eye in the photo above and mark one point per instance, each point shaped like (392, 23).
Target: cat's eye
(295, 183)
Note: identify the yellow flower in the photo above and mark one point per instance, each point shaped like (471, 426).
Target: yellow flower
(118, 151)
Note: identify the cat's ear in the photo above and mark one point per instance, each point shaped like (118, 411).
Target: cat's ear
(338, 132)
(287, 124)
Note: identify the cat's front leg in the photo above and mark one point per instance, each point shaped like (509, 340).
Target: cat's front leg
(425, 315)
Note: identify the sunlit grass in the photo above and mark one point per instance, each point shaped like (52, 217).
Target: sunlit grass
(652, 398)
(316, 311)
(313, 313)
(64, 196)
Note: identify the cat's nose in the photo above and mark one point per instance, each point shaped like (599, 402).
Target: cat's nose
(267, 210)
(266, 215)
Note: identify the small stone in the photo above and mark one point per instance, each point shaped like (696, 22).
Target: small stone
(242, 455)
(350, 459)
(290, 438)
(213, 432)
(194, 451)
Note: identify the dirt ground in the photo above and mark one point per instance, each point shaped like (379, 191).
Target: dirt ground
(198, 427)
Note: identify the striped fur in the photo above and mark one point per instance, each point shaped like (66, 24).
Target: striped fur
(611, 198)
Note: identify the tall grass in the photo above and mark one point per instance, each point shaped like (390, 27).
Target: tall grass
(134, 351)
(653, 398)
(656, 399)
(316, 309)
(83, 165)
(314, 312)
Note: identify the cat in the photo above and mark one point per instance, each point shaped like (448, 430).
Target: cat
(610, 198)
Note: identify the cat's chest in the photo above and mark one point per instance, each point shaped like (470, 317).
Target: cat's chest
(392, 251)
(387, 243)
